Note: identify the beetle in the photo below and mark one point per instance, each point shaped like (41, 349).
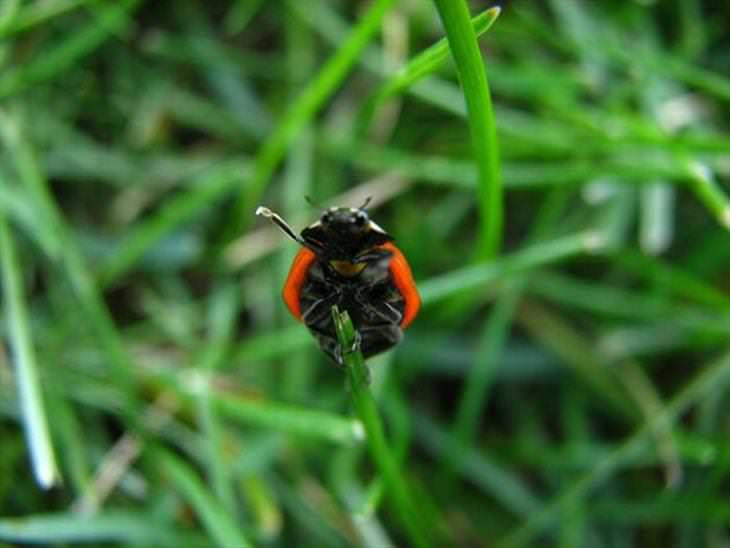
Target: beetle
(349, 261)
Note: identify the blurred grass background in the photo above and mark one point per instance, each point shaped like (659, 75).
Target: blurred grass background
(570, 391)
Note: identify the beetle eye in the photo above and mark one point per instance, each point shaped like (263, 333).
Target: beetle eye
(360, 219)
(326, 218)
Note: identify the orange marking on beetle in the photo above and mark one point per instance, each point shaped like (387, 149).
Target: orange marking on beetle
(403, 280)
(295, 280)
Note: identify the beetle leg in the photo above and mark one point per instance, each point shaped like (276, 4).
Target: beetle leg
(379, 338)
(385, 309)
(319, 309)
(355, 347)
(385, 312)
(338, 355)
(357, 342)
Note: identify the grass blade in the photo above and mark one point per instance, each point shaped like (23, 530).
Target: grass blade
(292, 419)
(112, 526)
(543, 253)
(29, 387)
(470, 65)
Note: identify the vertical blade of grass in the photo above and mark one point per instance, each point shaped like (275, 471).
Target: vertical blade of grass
(217, 521)
(300, 112)
(29, 387)
(470, 65)
(366, 409)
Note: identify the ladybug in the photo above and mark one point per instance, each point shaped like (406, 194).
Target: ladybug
(349, 261)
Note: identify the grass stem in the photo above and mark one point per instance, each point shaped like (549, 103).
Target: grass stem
(470, 65)
(362, 399)
(29, 386)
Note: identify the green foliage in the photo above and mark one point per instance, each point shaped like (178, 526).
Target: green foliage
(571, 390)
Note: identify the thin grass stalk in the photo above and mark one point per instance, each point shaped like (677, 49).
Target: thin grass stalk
(470, 66)
(366, 409)
(32, 407)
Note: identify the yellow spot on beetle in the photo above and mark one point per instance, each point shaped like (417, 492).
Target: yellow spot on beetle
(348, 269)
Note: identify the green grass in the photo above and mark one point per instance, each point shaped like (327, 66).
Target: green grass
(566, 381)
(302, 110)
(29, 389)
(470, 66)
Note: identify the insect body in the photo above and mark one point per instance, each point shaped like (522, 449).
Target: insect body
(349, 261)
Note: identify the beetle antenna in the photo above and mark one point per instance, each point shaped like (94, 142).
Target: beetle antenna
(367, 202)
(281, 223)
